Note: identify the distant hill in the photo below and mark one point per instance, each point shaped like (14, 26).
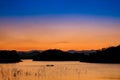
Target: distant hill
(54, 55)
(28, 54)
(86, 52)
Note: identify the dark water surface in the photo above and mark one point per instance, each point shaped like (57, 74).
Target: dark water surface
(29, 70)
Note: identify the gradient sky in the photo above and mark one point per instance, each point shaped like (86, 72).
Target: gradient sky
(61, 24)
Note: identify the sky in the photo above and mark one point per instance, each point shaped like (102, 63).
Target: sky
(60, 24)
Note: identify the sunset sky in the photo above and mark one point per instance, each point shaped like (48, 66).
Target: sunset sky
(61, 24)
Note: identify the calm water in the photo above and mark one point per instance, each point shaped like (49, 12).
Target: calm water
(28, 70)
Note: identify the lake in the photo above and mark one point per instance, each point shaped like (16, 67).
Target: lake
(35, 70)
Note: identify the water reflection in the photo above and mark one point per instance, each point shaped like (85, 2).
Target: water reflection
(29, 70)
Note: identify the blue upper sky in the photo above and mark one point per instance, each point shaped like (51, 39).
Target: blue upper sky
(60, 7)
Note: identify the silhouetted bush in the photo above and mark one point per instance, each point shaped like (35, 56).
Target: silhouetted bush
(9, 56)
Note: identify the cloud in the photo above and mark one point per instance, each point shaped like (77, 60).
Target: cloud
(62, 42)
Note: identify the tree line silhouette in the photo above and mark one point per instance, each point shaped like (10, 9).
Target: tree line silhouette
(9, 56)
(105, 55)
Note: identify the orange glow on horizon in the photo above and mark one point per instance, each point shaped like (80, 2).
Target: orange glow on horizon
(77, 34)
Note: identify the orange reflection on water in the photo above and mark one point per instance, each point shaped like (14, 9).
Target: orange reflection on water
(29, 70)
